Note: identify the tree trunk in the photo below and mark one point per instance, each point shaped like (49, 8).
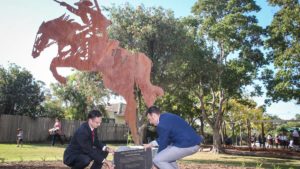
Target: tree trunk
(263, 135)
(233, 137)
(217, 146)
(202, 125)
(249, 133)
(241, 138)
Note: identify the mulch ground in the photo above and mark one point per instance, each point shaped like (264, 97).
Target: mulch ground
(60, 165)
(260, 152)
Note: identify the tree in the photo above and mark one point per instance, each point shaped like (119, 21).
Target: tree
(84, 91)
(283, 83)
(51, 107)
(232, 36)
(239, 111)
(20, 93)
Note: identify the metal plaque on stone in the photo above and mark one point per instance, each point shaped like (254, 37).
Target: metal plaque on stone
(133, 159)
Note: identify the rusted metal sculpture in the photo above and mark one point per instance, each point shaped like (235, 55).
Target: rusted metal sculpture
(87, 47)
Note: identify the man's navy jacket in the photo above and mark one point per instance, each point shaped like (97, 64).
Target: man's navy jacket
(82, 143)
(173, 130)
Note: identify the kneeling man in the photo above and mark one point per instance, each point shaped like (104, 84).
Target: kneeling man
(85, 146)
(176, 138)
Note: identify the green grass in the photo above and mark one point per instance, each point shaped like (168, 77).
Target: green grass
(30, 152)
(33, 152)
(44, 152)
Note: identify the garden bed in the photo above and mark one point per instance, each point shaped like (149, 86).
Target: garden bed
(263, 152)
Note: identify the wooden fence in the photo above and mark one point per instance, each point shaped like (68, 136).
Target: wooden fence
(36, 130)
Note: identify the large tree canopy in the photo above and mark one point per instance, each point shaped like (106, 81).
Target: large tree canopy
(284, 44)
(20, 93)
(233, 58)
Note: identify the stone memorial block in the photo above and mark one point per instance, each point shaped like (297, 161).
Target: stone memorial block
(133, 158)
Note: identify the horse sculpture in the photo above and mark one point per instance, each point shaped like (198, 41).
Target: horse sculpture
(121, 70)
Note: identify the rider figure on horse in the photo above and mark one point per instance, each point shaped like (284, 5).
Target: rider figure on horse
(95, 24)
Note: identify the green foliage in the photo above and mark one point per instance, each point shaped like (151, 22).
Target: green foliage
(227, 28)
(223, 58)
(84, 91)
(52, 108)
(20, 93)
(283, 42)
(182, 104)
(239, 111)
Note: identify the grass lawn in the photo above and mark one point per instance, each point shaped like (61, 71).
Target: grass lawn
(30, 152)
(34, 152)
(44, 152)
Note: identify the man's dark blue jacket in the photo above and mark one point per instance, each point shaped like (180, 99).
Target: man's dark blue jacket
(82, 143)
(173, 130)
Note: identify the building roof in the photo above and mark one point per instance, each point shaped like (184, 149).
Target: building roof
(117, 108)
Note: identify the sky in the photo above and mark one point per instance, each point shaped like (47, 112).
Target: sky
(20, 20)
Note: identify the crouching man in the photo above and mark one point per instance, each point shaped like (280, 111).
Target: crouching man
(176, 138)
(85, 146)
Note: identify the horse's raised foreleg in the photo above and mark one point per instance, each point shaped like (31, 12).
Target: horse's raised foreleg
(142, 78)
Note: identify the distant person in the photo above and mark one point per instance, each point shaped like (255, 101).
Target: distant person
(295, 137)
(176, 138)
(57, 132)
(283, 140)
(260, 141)
(19, 137)
(253, 140)
(277, 141)
(270, 141)
(85, 146)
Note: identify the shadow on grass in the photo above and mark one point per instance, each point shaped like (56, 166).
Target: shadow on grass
(262, 163)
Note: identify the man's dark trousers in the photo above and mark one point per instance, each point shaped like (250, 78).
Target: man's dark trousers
(82, 161)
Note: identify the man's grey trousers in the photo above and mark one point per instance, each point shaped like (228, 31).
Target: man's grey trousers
(166, 159)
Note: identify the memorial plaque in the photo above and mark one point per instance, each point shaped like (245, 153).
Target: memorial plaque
(133, 159)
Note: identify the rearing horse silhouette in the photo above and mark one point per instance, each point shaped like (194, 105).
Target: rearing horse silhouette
(121, 70)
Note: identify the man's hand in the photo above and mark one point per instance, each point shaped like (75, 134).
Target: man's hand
(146, 146)
(154, 167)
(109, 164)
(110, 150)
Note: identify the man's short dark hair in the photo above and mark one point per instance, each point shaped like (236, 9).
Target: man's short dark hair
(94, 113)
(153, 109)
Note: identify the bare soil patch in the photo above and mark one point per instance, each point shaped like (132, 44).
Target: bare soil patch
(262, 152)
